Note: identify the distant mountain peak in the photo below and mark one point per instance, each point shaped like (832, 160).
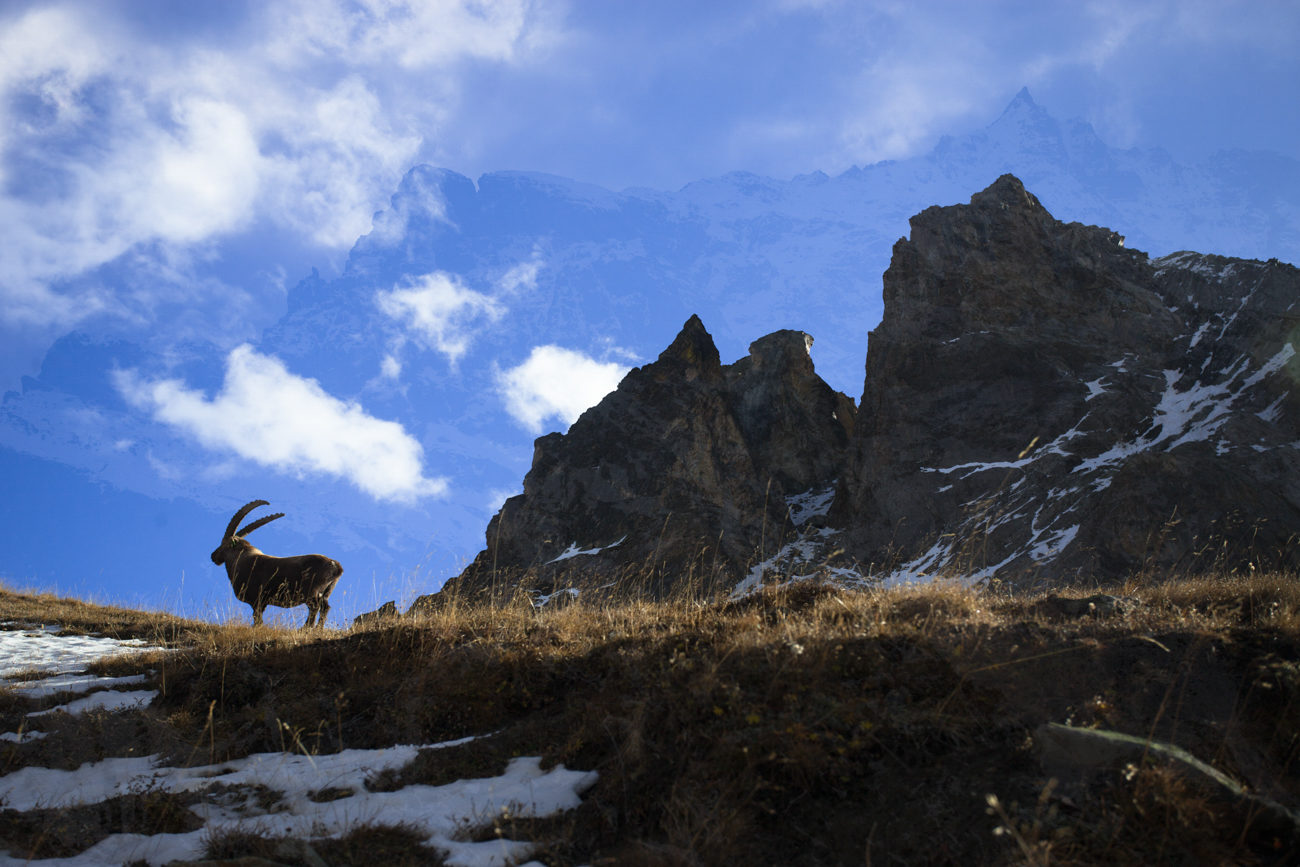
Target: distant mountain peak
(1023, 106)
(1024, 98)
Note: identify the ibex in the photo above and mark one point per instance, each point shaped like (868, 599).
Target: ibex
(285, 582)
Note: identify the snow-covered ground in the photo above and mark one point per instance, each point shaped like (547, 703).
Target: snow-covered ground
(446, 814)
(28, 647)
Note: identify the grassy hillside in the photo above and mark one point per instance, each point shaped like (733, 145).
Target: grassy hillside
(804, 725)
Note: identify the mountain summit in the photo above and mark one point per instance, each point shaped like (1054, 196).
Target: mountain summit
(1041, 404)
(678, 472)
(1022, 110)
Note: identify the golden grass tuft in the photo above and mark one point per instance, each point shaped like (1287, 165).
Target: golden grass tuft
(81, 617)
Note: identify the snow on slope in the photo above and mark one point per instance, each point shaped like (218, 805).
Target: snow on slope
(231, 801)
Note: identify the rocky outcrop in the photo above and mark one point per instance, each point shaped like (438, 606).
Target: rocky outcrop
(1043, 404)
(681, 474)
(1077, 756)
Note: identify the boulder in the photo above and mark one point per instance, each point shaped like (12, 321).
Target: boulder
(385, 612)
(1073, 755)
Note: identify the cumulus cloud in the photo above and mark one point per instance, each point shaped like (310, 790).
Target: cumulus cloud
(556, 383)
(441, 311)
(289, 423)
(112, 140)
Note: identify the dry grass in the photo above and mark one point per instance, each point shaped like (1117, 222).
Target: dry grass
(65, 832)
(803, 725)
(81, 617)
(391, 845)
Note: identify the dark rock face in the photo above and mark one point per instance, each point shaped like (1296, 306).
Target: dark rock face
(679, 474)
(1043, 404)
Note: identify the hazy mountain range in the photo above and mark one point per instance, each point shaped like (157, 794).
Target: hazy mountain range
(474, 310)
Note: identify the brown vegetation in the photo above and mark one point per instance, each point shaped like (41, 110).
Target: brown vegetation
(803, 725)
(78, 617)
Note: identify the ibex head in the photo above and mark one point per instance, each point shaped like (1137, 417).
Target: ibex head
(233, 542)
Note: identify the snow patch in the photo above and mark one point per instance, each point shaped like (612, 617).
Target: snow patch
(1271, 412)
(812, 503)
(1053, 544)
(541, 599)
(72, 683)
(1031, 453)
(919, 569)
(574, 551)
(441, 812)
(1188, 416)
(802, 559)
(1273, 365)
(43, 648)
(20, 737)
(109, 700)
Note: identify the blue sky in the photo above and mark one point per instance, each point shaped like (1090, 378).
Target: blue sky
(189, 138)
(169, 171)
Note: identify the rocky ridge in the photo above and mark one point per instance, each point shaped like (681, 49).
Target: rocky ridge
(684, 470)
(1041, 404)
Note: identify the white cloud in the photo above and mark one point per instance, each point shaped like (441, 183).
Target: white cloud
(164, 469)
(556, 383)
(496, 498)
(521, 276)
(343, 158)
(200, 181)
(268, 415)
(441, 311)
(413, 34)
(112, 140)
(923, 71)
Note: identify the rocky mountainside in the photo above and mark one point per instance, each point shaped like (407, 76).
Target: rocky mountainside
(1041, 404)
(684, 470)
